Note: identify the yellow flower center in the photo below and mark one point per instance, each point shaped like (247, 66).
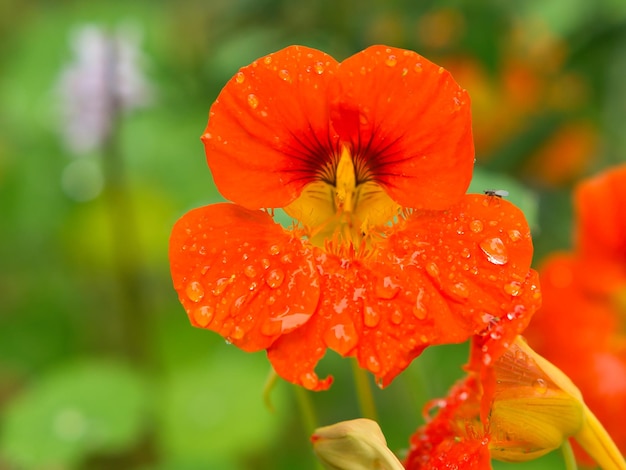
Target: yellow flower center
(345, 205)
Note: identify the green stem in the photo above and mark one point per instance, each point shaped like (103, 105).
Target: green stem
(307, 410)
(568, 456)
(364, 392)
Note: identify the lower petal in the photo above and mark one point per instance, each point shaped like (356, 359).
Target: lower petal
(240, 274)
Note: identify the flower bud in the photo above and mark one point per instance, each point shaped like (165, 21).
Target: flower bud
(358, 444)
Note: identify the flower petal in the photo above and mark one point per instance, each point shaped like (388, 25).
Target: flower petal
(268, 131)
(468, 273)
(239, 274)
(601, 211)
(410, 122)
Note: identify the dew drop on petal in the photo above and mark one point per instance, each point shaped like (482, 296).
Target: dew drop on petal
(371, 317)
(486, 359)
(284, 75)
(253, 101)
(266, 263)
(391, 61)
(396, 317)
(476, 226)
(386, 288)
(275, 278)
(373, 364)
(459, 290)
(194, 291)
(267, 60)
(203, 315)
(250, 271)
(240, 77)
(495, 251)
(319, 68)
(341, 338)
(540, 386)
(274, 250)
(237, 332)
(465, 253)
(309, 380)
(514, 235)
(419, 310)
(221, 284)
(433, 270)
(513, 288)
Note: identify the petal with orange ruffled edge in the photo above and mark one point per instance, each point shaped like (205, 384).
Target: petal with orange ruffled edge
(442, 278)
(248, 289)
(280, 122)
(268, 130)
(409, 121)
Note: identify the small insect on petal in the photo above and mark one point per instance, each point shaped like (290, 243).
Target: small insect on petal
(496, 192)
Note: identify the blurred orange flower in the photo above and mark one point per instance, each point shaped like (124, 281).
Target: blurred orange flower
(371, 157)
(581, 327)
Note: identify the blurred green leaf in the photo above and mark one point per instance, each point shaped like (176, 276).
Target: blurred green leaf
(76, 410)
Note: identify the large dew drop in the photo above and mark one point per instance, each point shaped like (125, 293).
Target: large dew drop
(194, 291)
(371, 317)
(386, 288)
(495, 250)
(202, 316)
(253, 101)
(341, 338)
(275, 278)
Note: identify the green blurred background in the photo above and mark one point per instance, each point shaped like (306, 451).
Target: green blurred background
(99, 367)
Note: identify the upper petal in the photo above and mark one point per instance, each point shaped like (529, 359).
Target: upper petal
(239, 274)
(410, 122)
(268, 130)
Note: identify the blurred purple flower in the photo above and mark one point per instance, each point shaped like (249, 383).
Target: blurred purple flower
(104, 79)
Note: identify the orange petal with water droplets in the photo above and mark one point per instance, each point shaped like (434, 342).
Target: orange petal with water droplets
(411, 123)
(238, 273)
(268, 132)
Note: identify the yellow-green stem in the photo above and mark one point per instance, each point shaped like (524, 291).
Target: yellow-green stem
(364, 392)
(307, 414)
(568, 456)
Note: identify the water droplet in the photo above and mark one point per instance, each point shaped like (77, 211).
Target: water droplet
(418, 67)
(274, 250)
(373, 364)
(194, 291)
(319, 68)
(513, 288)
(514, 235)
(267, 60)
(240, 77)
(202, 316)
(466, 253)
(419, 310)
(476, 226)
(396, 317)
(221, 284)
(271, 300)
(284, 75)
(371, 317)
(405, 72)
(341, 338)
(391, 61)
(309, 380)
(386, 288)
(275, 278)
(540, 386)
(459, 290)
(433, 270)
(253, 101)
(495, 251)
(237, 332)
(441, 70)
(205, 270)
(266, 263)
(249, 271)
(486, 359)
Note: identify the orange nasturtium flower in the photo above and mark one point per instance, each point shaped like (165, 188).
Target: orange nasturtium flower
(387, 255)
(582, 326)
